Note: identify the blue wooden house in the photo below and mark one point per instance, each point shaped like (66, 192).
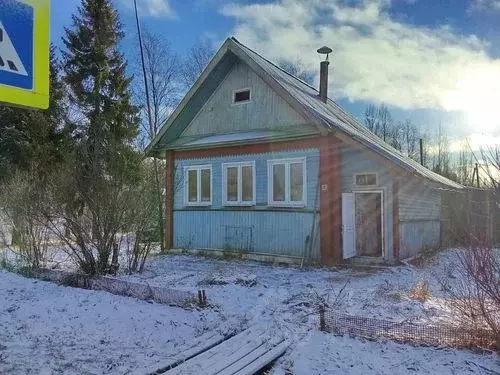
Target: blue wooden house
(262, 164)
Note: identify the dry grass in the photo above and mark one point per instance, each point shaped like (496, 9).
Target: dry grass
(421, 291)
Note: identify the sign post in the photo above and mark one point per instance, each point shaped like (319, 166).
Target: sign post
(24, 53)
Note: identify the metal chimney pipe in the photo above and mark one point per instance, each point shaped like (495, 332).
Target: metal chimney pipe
(323, 80)
(323, 73)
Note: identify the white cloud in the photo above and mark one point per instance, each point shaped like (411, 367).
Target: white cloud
(376, 58)
(152, 8)
(485, 5)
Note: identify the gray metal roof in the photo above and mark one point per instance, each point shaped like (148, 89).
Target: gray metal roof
(334, 117)
(303, 98)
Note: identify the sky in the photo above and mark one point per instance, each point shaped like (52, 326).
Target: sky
(433, 62)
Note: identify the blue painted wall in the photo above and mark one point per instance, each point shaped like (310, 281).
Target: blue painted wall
(354, 161)
(259, 229)
(415, 236)
(419, 216)
(268, 230)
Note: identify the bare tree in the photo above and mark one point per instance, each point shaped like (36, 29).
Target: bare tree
(89, 223)
(474, 294)
(371, 119)
(426, 151)
(379, 121)
(410, 139)
(465, 164)
(441, 155)
(385, 121)
(195, 62)
(395, 136)
(141, 216)
(488, 158)
(297, 69)
(161, 74)
(20, 199)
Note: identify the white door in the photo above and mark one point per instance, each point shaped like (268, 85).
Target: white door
(348, 226)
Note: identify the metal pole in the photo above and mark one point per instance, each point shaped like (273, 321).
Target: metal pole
(143, 68)
(477, 174)
(151, 128)
(421, 151)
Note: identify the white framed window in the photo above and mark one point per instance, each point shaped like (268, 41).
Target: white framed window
(238, 183)
(366, 179)
(242, 96)
(198, 185)
(287, 182)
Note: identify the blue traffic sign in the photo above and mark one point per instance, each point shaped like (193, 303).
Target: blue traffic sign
(24, 52)
(16, 44)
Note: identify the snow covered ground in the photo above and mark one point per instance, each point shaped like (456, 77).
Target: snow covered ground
(253, 290)
(322, 353)
(51, 329)
(63, 330)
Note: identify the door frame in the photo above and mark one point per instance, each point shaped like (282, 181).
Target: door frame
(382, 214)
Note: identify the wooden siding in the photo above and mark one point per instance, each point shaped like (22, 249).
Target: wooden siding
(265, 111)
(260, 228)
(276, 233)
(418, 202)
(354, 161)
(415, 236)
(419, 216)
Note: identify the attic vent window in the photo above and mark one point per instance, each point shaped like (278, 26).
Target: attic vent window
(365, 179)
(241, 96)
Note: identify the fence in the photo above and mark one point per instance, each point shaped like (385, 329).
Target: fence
(121, 287)
(405, 331)
(469, 217)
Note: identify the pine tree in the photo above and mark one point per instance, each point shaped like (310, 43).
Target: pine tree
(106, 124)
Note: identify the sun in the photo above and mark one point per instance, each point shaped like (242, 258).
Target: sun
(477, 95)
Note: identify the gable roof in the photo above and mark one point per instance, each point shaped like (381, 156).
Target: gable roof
(305, 100)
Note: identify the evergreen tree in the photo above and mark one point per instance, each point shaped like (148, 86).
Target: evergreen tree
(99, 88)
(105, 126)
(34, 139)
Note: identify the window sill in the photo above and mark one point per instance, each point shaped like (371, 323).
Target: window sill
(287, 205)
(197, 204)
(240, 103)
(238, 204)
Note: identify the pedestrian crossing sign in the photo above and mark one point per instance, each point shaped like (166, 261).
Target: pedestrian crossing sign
(24, 53)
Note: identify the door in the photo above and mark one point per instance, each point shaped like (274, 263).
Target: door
(368, 223)
(348, 226)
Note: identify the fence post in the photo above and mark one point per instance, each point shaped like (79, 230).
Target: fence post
(322, 324)
(202, 298)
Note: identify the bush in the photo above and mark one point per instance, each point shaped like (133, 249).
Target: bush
(20, 201)
(475, 294)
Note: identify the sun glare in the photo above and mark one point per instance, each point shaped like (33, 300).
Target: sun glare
(477, 95)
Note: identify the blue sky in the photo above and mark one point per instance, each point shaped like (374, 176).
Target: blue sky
(435, 62)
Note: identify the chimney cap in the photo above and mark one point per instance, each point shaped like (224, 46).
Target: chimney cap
(325, 50)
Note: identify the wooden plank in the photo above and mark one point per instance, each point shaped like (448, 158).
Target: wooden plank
(198, 363)
(223, 361)
(264, 360)
(247, 360)
(200, 345)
